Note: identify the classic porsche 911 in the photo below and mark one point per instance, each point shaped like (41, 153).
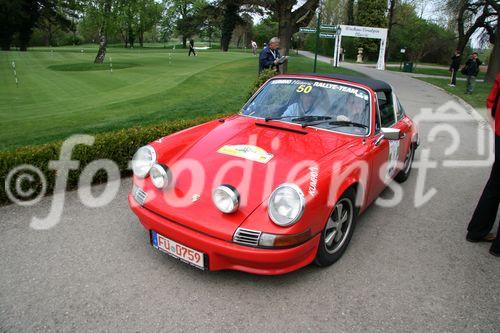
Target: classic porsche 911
(280, 185)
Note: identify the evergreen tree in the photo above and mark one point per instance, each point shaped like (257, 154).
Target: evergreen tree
(371, 13)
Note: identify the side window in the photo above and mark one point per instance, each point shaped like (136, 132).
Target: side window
(386, 109)
(400, 112)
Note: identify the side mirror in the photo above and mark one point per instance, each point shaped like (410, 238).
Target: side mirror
(388, 134)
(391, 133)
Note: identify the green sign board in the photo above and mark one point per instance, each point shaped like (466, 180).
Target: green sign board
(326, 35)
(331, 28)
(307, 30)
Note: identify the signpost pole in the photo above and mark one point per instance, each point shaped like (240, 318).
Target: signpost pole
(317, 40)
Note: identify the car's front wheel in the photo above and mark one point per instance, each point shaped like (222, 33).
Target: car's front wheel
(338, 230)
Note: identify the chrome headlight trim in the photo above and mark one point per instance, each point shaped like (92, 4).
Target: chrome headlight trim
(231, 193)
(302, 204)
(142, 171)
(163, 178)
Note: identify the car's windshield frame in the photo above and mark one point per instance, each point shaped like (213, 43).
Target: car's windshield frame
(347, 84)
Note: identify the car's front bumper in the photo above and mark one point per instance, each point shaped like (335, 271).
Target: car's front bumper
(227, 255)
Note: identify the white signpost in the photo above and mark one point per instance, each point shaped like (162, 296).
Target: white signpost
(362, 32)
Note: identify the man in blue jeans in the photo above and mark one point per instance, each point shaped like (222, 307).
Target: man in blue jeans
(471, 69)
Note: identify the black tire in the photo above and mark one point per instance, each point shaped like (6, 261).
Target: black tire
(328, 254)
(403, 175)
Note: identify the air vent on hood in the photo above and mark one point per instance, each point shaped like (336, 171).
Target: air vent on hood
(246, 237)
(282, 128)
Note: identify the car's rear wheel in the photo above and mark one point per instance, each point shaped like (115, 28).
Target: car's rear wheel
(403, 175)
(338, 230)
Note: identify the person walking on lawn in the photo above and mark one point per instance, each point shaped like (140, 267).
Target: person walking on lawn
(191, 47)
(454, 67)
(471, 70)
(254, 47)
(485, 214)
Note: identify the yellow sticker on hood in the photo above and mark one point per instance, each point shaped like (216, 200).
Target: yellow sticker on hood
(247, 152)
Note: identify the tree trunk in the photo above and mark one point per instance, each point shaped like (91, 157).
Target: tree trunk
(5, 37)
(392, 4)
(228, 24)
(131, 36)
(51, 35)
(494, 63)
(6, 33)
(141, 37)
(285, 35)
(103, 42)
(184, 41)
(24, 38)
(103, 34)
(350, 12)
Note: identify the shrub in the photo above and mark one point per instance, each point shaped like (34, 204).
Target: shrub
(118, 146)
(261, 79)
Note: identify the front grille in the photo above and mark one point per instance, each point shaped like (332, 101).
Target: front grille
(247, 237)
(139, 195)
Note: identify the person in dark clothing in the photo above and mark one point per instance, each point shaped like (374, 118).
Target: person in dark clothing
(454, 67)
(191, 47)
(471, 69)
(486, 210)
(270, 55)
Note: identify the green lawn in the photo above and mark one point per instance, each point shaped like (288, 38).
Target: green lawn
(434, 71)
(60, 93)
(477, 99)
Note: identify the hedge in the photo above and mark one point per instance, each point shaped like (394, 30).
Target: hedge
(118, 146)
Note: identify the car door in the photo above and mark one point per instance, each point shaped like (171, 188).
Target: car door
(403, 124)
(384, 153)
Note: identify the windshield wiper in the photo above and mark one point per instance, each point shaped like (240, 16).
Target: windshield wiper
(278, 118)
(299, 118)
(336, 123)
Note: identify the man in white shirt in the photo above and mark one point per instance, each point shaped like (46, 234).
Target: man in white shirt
(254, 47)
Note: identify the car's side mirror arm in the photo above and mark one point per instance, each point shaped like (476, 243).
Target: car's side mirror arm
(388, 134)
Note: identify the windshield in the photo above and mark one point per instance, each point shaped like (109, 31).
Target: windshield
(310, 102)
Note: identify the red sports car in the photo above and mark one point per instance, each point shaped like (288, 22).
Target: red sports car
(279, 185)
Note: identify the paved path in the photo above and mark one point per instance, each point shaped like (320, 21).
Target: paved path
(327, 59)
(407, 269)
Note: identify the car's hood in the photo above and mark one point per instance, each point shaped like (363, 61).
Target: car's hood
(245, 153)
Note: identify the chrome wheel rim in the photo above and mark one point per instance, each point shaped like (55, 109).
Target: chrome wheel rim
(338, 226)
(409, 160)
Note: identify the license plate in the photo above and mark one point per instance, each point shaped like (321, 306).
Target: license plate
(179, 251)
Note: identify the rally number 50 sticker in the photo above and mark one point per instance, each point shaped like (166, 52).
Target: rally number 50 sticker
(303, 88)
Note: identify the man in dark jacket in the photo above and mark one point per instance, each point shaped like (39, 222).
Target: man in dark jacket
(471, 69)
(191, 47)
(486, 210)
(454, 67)
(270, 55)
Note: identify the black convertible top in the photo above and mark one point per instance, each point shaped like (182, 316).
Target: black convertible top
(376, 85)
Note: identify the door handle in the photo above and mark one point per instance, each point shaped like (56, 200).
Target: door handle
(378, 140)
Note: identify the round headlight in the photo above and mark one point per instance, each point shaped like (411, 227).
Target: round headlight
(160, 176)
(226, 198)
(286, 205)
(143, 160)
